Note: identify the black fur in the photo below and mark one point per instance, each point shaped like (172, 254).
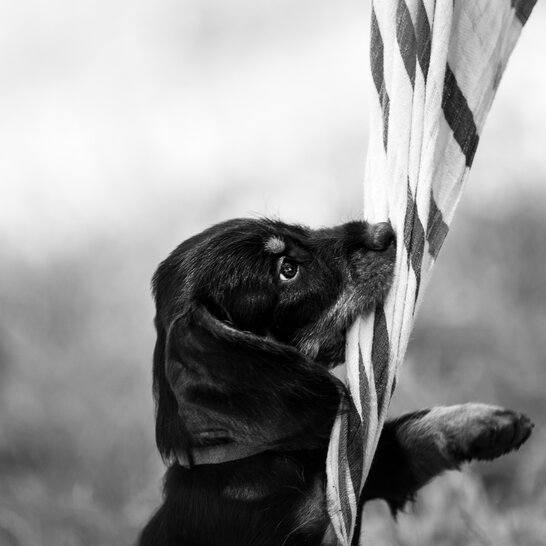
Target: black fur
(251, 314)
(263, 344)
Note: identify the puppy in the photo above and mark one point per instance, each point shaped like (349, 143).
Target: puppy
(250, 317)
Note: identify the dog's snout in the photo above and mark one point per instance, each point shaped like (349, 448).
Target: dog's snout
(380, 236)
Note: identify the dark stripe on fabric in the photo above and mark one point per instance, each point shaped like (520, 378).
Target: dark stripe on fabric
(343, 469)
(424, 38)
(364, 393)
(523, 9)
(459, 117)
(380, 355)
(385, 107)
(358, 522)
(414, 238)
(355, 447)
(437, 229)
(405, 36)
(377, 66)
(393, 388)
(364, 386)
(366, 409)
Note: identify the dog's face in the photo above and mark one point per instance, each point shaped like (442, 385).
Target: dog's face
(297, 286)
(268, 285)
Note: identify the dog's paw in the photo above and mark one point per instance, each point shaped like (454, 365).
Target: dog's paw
(497, 431)
(483, 432)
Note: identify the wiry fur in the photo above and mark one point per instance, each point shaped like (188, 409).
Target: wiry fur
(241, 364)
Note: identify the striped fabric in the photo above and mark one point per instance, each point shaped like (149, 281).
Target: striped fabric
(435, 67)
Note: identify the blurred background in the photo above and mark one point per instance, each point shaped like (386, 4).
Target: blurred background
(128, 126)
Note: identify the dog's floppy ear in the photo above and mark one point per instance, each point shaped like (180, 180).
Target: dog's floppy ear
(262, 391)
(170, 431)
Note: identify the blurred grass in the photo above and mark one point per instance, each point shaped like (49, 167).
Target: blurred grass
(480, 337)
(77, 460)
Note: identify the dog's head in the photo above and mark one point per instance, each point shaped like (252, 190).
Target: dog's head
(254, 311)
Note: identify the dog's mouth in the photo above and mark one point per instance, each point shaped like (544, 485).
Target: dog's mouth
(370, 278)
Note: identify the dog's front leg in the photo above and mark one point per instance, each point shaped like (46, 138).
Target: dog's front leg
(416, 447)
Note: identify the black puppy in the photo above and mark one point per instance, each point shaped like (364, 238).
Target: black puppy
(251, 314)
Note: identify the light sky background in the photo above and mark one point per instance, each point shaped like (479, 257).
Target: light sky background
(114, 112)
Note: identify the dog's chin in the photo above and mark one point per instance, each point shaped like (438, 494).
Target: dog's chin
(327, 345)
(380, 295)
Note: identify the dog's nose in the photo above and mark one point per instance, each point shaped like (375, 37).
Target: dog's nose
(381, 236)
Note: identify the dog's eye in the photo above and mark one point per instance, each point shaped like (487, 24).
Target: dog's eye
(288, 270)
